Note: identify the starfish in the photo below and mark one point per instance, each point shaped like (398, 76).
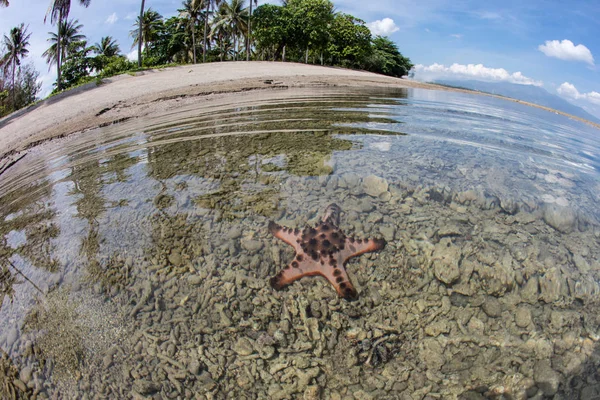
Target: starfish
(323, 250)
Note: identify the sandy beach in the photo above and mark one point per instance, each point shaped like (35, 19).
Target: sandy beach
(134, 96)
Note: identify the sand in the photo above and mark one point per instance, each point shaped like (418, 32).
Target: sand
(132, 96)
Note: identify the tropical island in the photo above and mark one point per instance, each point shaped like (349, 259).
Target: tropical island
(308, 31)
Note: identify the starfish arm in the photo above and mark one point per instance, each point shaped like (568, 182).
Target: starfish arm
(288, 235)
(293, 272)
(338, 277)
(356, 247)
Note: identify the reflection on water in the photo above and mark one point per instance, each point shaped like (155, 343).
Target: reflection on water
(134, 260)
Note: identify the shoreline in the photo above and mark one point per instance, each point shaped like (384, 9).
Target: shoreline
(124, 97)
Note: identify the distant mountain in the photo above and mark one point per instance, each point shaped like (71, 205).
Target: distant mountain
(530, 93)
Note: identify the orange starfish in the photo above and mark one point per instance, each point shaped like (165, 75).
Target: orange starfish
(322, 250)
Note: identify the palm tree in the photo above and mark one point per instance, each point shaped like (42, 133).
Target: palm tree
(140, 19)
(59, 11)
(60, 42)
(16, 49)
(107, 47)
(4, 3)
(250, 29)
(151, 22)
(191, 12)
(209, 4)
(233, 15)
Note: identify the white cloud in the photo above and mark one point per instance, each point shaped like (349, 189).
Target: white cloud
(569, 90)
(383, 27)
(112, 18)
(566, 50)
(132, 55)
(132, 16)
(471, 71)
(457, 35)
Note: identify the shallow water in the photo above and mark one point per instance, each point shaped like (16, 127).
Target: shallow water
(135, 259)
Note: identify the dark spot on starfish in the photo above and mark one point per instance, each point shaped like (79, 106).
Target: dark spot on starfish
(380, 243)
(312, 242)
(295, 264)
(342, 247)
(288, 267)
(324, 227)
(359, 241)
(322, 236)
(313, 231)
(314, 255)
(322, 262)
(335, 235)
(350, 294)
(296, 231)
(343, 285)
(339, 279)
(326, 243)
(337, 272)
(299, 257)
(332, 263)
(351, 240)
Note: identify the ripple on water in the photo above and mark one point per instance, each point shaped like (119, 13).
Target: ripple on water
(135, 259)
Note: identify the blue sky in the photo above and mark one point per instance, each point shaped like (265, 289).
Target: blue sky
(553, 44)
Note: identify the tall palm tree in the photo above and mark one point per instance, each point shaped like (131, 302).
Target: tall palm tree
(59, 11)
(16, 48)
(250, 29)
(68, 32)
(191, 12)
(4, 3)
(107, 47)
(140, 27)
(233, 15)
(151, 23)
(208, 4)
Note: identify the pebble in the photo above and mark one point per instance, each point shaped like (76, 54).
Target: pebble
(388, 232)
(562, 219)
(145, 387)
(522, 317)
(252, 246)
(243, 347)
(175, 258)
(312, 393)
(492, 307)
(546, 378)
(375, 186)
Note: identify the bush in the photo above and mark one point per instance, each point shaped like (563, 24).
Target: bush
(117, 65)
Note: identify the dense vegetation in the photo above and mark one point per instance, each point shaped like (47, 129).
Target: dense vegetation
(308, 31)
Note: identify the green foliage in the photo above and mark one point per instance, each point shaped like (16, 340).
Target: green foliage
(115, 65)
(270, 30)
(387, 59)
(309, 23)
(24, 92)
(301, 25)
(349, 41)
(78, 67)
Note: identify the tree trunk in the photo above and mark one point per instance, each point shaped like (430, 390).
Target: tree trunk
(205, 30)
(306, 58)
(13, 85)
(58, 54)
(140, 35)
(249, 32)
(283, 57)
(194, 42)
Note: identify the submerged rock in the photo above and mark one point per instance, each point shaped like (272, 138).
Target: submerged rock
(374, 185)
(562, 219)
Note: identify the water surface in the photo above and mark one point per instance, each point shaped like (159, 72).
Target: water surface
(135, 258)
